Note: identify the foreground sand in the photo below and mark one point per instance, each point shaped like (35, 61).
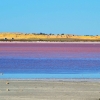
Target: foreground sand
(49, 90)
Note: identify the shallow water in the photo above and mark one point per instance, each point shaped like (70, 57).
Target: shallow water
(49, 60)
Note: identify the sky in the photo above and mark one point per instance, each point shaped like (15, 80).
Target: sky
(80, 17)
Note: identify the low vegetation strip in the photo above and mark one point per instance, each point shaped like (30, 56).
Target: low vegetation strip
(47, 37)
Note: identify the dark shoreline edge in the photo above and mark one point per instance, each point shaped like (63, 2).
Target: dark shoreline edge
(81, 42)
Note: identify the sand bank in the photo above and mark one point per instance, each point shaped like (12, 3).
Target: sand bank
(49, 90)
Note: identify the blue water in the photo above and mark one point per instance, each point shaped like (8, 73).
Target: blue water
(49, 68)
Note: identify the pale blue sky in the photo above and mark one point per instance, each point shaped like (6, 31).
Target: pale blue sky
(50, 16)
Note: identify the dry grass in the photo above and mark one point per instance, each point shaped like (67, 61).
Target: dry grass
(39, 37)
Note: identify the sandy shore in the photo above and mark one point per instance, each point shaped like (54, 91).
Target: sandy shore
(49, 90)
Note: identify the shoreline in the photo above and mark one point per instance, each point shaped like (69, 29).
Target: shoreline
(53, 79)
(81, 42)
(50, 76)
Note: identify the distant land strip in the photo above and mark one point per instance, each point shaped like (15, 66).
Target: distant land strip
(16, 36)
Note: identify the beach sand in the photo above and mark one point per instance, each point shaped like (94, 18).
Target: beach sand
(49, 90)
